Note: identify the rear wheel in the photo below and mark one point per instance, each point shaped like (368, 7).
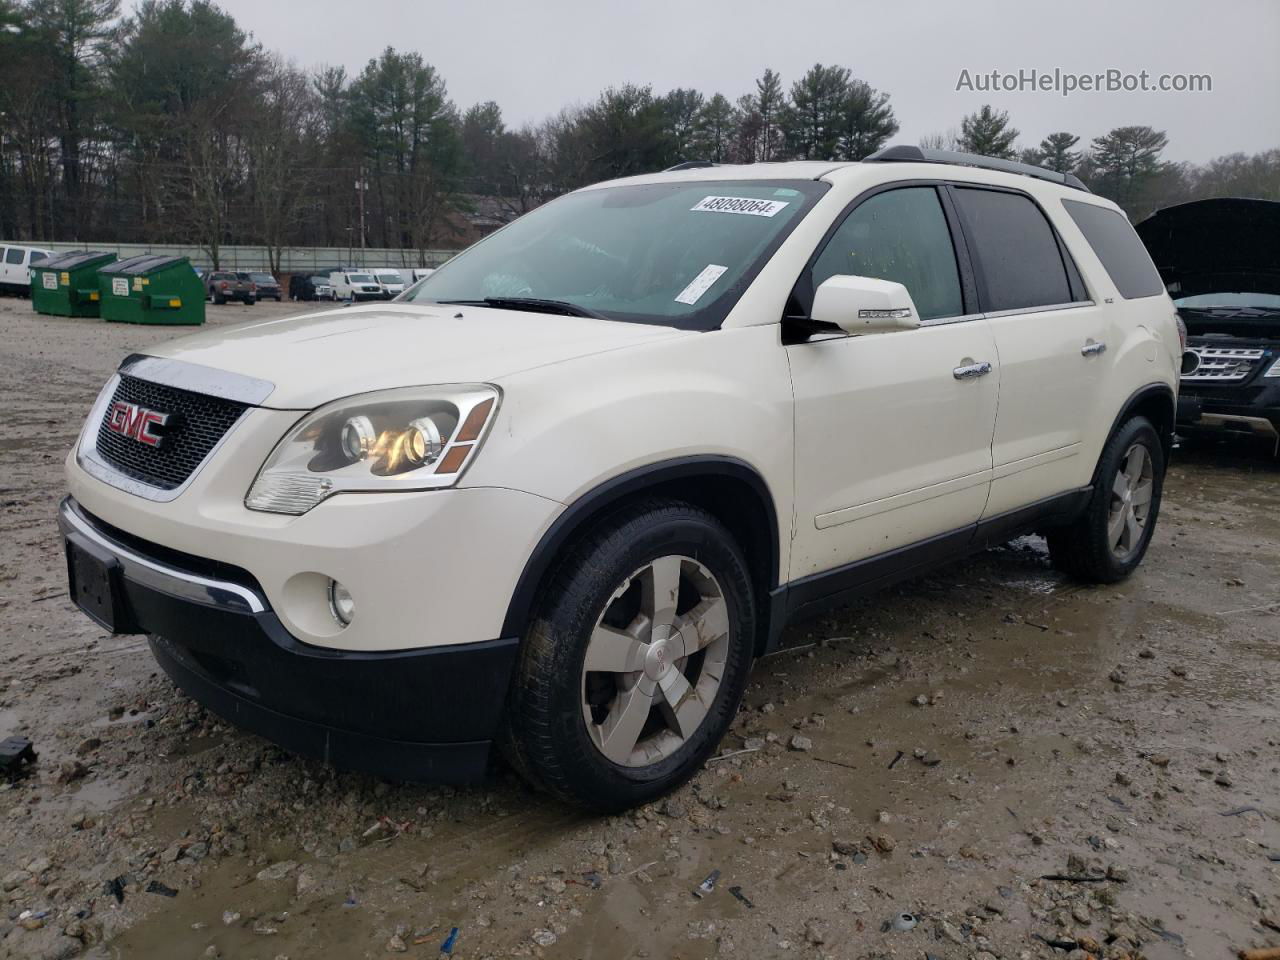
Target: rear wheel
(1111, 537)
(636, 662)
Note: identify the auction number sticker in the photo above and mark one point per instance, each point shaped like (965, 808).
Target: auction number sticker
(700, 284)
(50, 281)
(120, 286)
(745, 205)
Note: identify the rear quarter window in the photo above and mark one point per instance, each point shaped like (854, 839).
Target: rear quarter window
(1117, 245)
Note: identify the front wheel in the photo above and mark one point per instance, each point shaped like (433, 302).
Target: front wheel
(636, 661)
(1108, 541)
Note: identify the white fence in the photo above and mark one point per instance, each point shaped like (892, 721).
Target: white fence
(292, 259)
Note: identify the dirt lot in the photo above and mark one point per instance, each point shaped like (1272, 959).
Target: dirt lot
(942, 750)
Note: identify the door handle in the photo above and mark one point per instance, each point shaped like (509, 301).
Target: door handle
(1093, 348)
(971, 371)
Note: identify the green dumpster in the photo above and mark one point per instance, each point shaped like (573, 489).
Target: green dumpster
(152, 288)
(66, 285)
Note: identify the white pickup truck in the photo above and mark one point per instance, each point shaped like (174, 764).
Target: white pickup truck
(15, 267)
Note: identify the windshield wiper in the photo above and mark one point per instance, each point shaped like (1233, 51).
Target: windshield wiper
(562, 307)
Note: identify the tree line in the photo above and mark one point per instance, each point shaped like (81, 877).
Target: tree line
(172, 124)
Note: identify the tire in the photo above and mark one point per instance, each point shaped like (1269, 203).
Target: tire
(557, 712)
(219, 300)
(1121, 507)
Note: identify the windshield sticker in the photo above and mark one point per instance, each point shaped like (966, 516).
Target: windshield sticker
(746, 205)
(703, 281)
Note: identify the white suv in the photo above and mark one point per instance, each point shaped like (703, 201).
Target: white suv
(560, 496)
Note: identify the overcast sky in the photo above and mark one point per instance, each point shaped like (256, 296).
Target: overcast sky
(535, 56)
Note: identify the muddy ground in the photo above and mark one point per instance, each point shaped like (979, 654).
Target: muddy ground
(961, 738)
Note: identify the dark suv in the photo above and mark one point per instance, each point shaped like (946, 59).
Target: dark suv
(266, 287)
(224, 286)
(1221, 264)
(304, 287)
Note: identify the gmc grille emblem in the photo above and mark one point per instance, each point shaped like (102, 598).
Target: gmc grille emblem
(135, 422)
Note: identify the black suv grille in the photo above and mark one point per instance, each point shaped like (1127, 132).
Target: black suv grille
(196, 423)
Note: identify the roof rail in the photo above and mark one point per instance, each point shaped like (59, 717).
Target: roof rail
(690, 165)
(904, 153)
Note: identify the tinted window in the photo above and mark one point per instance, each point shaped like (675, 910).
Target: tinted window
(14, 255)
(900, 235)
(1012, 242)
(1117, 245)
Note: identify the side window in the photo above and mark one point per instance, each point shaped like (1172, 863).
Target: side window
(1016, 250)
(899, 235)
(14, 255)
(1118, 247)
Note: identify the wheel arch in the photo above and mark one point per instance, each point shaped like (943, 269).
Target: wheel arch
(730, 489)
(1158, 403)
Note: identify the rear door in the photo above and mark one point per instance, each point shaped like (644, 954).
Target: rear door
(893, 439)
(1052, 342)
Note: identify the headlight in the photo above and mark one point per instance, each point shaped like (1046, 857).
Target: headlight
(1273, 370)
(415, 438)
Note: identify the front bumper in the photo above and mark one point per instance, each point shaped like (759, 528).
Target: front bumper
(1250, 409)
(422, 714)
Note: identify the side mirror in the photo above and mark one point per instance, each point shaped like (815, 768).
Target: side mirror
(861, 305)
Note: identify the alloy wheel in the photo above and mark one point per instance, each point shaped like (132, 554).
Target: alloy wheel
(655, 661)
(1131, 493)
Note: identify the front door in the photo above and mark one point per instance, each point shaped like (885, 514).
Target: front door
(892, 430)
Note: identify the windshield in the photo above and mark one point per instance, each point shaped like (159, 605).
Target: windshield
(262, 278)
(324, 280)
(360, 278)
(678, 254)
(1266, 301)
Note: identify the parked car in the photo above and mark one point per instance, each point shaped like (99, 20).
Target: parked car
(265, 286)
(562, 495)
(355, 285)
(1220, 262)
(390, 280)
(16, 261)
(303, 287)
(224, 285)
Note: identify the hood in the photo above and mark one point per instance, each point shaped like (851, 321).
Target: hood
(1216, 246)
(317, 357)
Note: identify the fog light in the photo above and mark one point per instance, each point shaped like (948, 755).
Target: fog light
(341, 605)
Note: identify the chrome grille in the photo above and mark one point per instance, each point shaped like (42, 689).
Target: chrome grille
(1223, 364)
(196, 423)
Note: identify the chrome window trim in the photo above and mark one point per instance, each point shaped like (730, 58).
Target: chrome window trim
(87, 447)
(197, 378)
(160, 576)
(1017, 311)
(965, 318)
(942, 321)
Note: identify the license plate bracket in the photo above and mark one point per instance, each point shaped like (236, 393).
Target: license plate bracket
(97, 586)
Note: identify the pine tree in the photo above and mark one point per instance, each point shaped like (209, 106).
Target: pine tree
(866, 121)
(988, 134)
(812, 122)
(1057, 153)
(769, 106)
